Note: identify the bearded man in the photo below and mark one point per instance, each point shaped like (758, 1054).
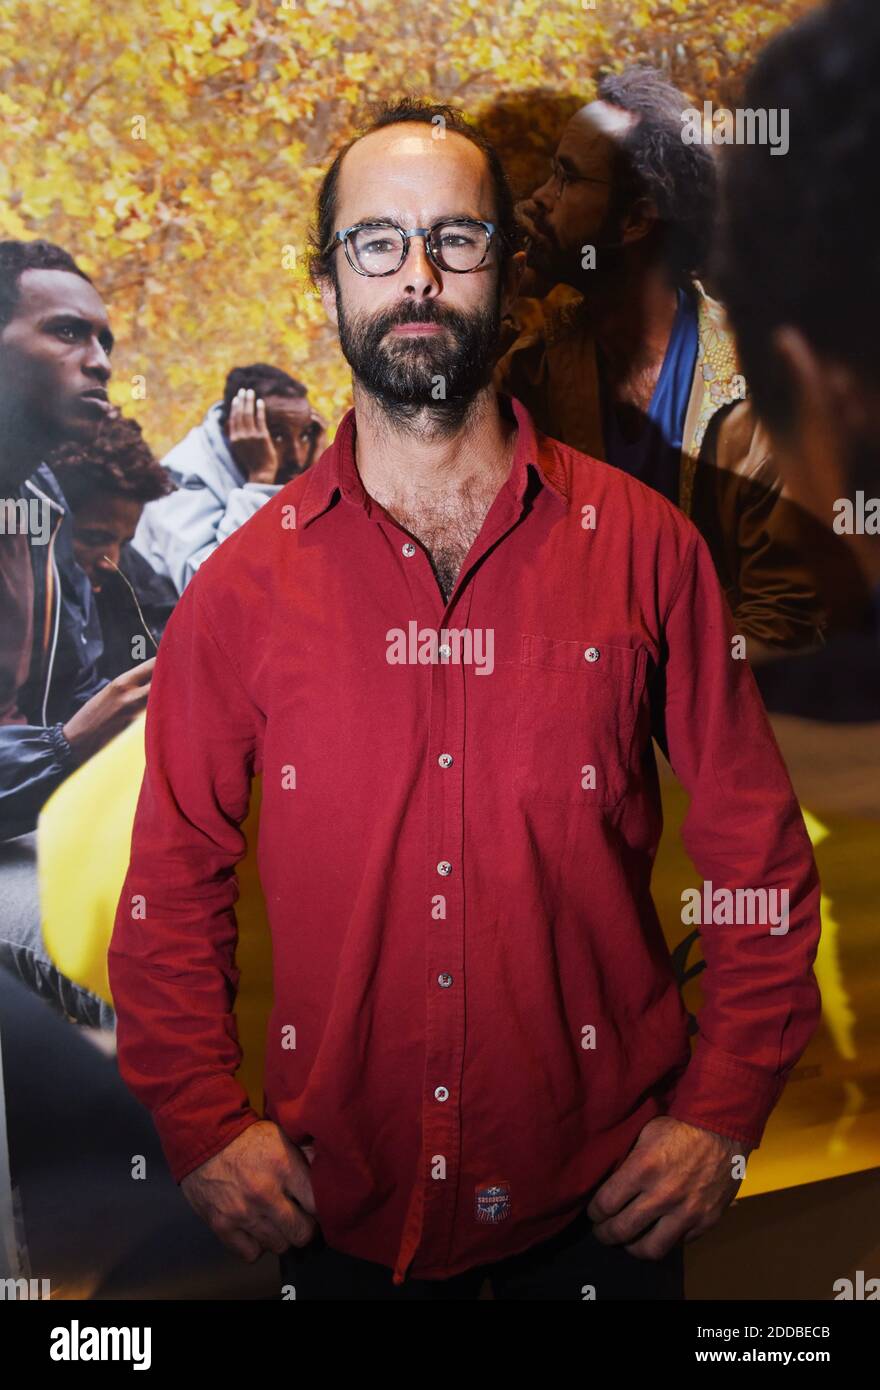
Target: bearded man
(478, 1062)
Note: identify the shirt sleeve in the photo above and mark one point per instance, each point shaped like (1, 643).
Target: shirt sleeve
(757, 534)
(34, 760)
(172, 954)
(743, 830)
(777, 605)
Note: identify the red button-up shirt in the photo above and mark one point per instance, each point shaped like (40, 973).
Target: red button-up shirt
(460, 812)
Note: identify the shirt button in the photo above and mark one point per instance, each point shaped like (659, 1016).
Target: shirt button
(445, 760)
(444, 980)
(408, 549)
(592, 654)
(444, 867)
(441, 1093)
(445, 651)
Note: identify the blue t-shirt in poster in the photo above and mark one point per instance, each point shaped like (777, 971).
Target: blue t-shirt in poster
(654, 457)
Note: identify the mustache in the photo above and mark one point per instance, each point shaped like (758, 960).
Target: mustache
(427, 312)
(541, 228)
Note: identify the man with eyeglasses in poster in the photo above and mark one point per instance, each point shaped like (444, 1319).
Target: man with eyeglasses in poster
(477, 1062)
(629, 360)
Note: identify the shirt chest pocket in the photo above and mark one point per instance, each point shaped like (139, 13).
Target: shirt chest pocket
(577, 707)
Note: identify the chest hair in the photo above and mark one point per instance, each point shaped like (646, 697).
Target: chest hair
(447, 529)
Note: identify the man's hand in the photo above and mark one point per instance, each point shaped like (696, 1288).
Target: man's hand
(249, 439)
(535, 282)
(676, 1175)
(256, 1194)
(109, 712)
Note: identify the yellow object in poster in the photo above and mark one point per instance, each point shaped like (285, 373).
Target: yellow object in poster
(827, 1121)
(83, 848)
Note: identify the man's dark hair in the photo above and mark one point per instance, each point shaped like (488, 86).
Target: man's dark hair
(263, 380)
(410, 110)
(797, 244)
(653, 161)
(18, 256)
(118, 461)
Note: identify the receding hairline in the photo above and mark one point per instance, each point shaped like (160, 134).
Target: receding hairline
(419, 126)
(605, 117)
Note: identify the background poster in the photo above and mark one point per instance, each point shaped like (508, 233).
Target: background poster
(176, 146)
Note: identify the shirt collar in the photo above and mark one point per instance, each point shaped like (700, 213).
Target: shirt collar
(336, 470)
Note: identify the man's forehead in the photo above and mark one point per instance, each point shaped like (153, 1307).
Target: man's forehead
(405, 166)
(287, 405)
(43, 292)
(595, 126)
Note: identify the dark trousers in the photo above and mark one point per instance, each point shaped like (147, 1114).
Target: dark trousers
(558, 1268)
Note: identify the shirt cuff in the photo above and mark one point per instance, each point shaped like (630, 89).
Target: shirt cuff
(64, 754)
(201, 1120)
(725, 1094)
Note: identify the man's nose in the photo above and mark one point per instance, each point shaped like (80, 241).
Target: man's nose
(545, 196)
(422, 277)
(96, 361)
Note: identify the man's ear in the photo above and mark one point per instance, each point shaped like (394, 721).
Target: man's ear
(638, 221)
(514, 271)
(327, 291)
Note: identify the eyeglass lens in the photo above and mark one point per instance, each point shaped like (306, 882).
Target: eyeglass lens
(455, 245)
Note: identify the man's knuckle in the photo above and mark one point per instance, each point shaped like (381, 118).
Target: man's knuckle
(264, 1187)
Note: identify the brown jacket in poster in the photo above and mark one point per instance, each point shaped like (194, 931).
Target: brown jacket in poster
(728, 485)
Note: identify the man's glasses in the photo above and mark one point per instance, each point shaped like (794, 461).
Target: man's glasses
(380, 248)
(562, 177)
